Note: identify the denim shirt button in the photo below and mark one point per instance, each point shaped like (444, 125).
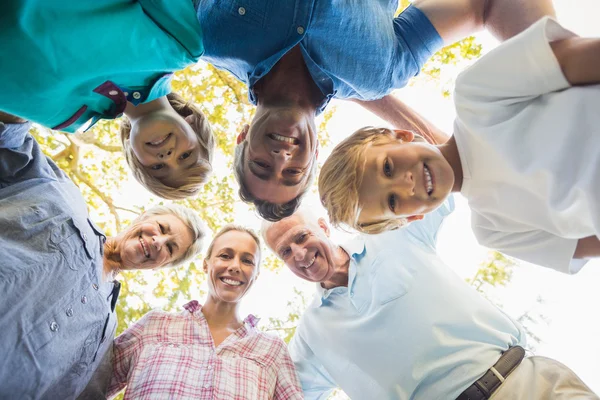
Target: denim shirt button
(241, 11)
(84, 299)
(300, 30)
(53, 326)
(85, 236)
(69, 312)
(95, 286)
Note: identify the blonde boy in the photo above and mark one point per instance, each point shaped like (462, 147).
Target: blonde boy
(525, 152)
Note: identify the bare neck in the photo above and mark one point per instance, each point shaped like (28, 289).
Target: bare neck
(340, 275)
(111, 259)
(134, 112)
(221, 315)
(450, 152)
(289, 82)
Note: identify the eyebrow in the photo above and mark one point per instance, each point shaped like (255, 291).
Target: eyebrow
(295, 238)
(255, 171)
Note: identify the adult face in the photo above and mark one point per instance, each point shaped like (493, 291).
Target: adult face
(166, 146)
(232, 266)
(403, 179)
(304, 247)
(282, 147)
(153, 242)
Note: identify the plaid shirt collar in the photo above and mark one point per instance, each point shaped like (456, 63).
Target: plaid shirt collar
(195, 308)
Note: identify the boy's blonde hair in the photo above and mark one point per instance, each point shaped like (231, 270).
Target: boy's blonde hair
(198, 174)
(341, 177)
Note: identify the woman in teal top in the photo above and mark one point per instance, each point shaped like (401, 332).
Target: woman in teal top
(68, 64)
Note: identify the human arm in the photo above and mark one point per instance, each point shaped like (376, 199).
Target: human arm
(579, 59)
(534, 246)
(287, 385)
(517, 71)
(401, 116)
(455, 19)
(10, 119)
(588, 247)
(126, 350)
(315, 380)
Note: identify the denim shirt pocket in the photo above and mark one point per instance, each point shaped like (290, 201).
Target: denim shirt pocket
(390, 279)
(73, 242)
(252, 12)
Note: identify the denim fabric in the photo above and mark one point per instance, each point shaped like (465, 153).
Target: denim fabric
(58, 56)
(56, 315)
(352, 48)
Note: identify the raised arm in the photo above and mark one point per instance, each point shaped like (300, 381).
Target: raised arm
(579, 59)
(455, 19)
(401, 116)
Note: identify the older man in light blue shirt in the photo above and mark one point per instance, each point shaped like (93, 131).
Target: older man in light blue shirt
(395, 323)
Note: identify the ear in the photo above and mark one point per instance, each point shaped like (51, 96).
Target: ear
(415, 218)
(205, 266)
(190, 119)
(243, 133)
(324, 225)
(404, 135)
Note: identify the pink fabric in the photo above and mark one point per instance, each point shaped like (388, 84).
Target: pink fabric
(167, 356)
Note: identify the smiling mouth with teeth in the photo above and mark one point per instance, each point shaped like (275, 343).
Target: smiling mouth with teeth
(230, 282)
(160, 141)
(285, 139)
(146, 252)
(428, 180)
(311, 262)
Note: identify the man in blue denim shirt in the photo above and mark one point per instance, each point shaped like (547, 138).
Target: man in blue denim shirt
(296, 55)
(56, 312)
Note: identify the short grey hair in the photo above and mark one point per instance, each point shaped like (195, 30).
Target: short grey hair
(196, 226)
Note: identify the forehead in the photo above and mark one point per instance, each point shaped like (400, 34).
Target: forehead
(282, 233)
(240, 241)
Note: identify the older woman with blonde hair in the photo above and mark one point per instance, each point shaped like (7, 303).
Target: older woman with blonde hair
(208, 351)
(57, 270)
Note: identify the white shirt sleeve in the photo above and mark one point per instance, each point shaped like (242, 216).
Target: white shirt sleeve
(534, 246)
(518, 70)
(316, 382)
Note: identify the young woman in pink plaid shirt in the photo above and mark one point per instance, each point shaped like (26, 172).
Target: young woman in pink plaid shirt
(207, 352)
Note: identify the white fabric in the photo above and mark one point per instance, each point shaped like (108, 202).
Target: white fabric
(541, 378)
(530, 150)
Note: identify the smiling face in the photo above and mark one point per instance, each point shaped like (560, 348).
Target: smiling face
(232, 266)
(305, 248)
(153, 242)
(167, 146)
(282, 147)
(403, 180)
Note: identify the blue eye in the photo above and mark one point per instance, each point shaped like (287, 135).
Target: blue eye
(392, 203)
(387, 168)
(185, 155)
(156, 167)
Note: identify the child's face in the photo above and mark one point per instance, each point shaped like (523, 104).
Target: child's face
(403, 180)
(166, 145)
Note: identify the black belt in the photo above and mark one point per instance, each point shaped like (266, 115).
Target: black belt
(486, 385)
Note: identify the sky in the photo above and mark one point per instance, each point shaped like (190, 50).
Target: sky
(570, 329)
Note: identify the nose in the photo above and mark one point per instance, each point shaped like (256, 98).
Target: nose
(406, 183)
(159, 241)
(282, 155)
(234, 266)
(165, 153)
(298, 252)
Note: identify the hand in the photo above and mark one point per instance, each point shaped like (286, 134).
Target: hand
(11, 119)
